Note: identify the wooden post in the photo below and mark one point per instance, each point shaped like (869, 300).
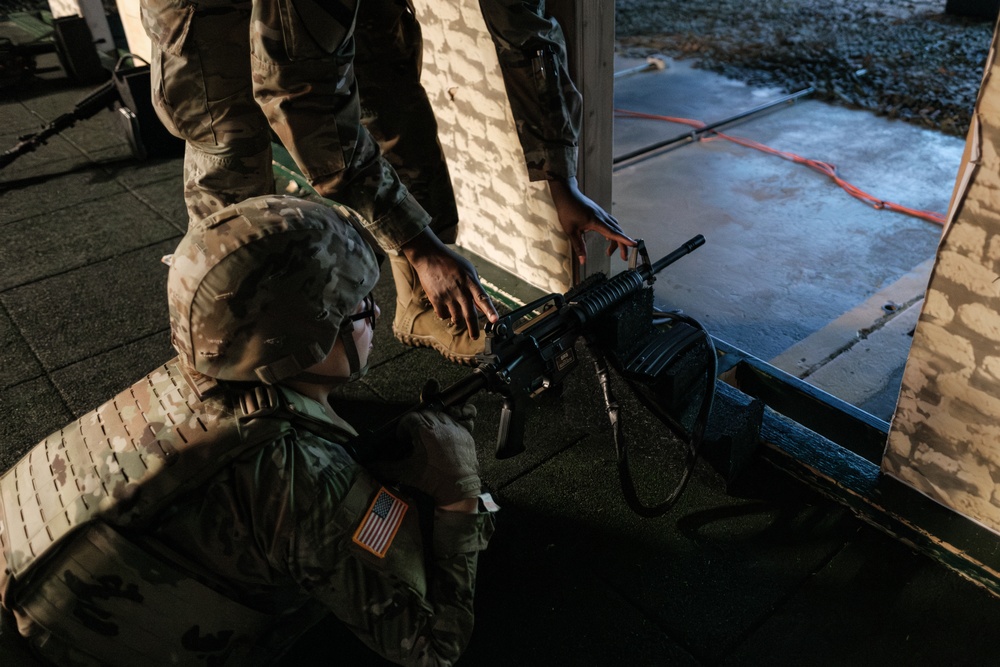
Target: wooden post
(589, 26)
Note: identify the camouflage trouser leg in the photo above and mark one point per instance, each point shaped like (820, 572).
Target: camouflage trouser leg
(203, 93)
(303, 75)
(220, 64)
(396, 109)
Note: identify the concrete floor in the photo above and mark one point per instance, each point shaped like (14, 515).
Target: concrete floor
(788, 252)
(766, 574)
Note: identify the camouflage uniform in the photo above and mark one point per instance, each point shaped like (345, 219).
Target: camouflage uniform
(207, 91)
(395, 108)
(533, 60)
(193, 521)
(226, 72)
(546, 105)
(274, 531)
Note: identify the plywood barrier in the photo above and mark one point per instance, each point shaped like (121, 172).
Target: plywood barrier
(945, 435)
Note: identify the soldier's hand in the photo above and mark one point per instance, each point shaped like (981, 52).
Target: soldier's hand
(443, 462)
(464, 414)
(578, 214)
(450, 282)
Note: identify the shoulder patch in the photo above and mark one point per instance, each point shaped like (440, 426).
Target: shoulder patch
(380, 523)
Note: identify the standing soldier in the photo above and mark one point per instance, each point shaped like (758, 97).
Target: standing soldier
(225, 73)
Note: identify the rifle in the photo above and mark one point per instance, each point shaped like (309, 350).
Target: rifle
(523, 362)
(101, 98)
(127, 93)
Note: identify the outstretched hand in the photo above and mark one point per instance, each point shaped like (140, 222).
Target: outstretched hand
(450, 282)
(578, 214)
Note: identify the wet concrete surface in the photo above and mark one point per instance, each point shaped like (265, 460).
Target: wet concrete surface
(787, 251)
(763, 573)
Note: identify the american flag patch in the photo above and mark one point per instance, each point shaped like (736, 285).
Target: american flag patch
(380, 523)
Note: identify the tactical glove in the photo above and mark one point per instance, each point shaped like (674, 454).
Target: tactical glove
(443, 463)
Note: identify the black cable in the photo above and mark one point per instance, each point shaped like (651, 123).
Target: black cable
(698, 429)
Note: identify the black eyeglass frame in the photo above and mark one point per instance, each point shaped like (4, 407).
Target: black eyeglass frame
(368, 312)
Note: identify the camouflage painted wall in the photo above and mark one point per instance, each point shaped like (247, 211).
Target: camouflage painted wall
(945, 436)
(504, 217)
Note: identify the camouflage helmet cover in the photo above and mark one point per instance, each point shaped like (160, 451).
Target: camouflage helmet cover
(259, 291)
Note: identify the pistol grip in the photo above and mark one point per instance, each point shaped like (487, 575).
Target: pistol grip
(510, 436)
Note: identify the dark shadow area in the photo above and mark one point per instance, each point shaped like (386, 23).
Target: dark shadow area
(96, 168)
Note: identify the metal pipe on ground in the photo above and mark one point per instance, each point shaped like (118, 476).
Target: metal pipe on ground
(695, 134)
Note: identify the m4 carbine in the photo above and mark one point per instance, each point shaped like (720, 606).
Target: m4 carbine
(523, 361)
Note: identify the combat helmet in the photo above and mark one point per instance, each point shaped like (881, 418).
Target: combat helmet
(260, 290)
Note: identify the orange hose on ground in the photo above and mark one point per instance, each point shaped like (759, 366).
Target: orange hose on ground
(822, 167)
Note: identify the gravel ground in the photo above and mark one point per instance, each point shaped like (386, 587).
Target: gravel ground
(900, 58)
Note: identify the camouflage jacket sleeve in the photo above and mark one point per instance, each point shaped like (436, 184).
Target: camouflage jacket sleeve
(392, 215)
(363, 556)
(546, 105)
(311, 102)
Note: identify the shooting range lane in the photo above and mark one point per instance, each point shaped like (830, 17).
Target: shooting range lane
(794, 268)
(771, 576)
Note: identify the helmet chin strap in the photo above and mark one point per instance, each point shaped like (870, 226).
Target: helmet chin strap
(353, 360)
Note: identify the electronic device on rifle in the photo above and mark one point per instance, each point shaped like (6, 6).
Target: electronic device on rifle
(521, 361)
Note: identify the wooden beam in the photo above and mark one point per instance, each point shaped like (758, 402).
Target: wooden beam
(837, 456)
(589, 27)
(950, 538)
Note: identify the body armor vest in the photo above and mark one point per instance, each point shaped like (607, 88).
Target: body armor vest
(70, 574)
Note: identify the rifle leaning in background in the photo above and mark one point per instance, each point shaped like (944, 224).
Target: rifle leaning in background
(102, 98)
(127, 93)
(666, 367)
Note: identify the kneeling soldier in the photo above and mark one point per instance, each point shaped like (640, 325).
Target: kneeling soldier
(209, 514)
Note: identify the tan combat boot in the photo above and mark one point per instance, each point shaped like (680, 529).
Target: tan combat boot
(416, 324)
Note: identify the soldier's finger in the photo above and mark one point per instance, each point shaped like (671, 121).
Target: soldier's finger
(469, 315)
(440, 306)
(614, 233)
(485, 304)
(579, 247)
(615, 245)
(613, 224)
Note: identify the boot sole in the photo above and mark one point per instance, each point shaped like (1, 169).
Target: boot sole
(427, 341)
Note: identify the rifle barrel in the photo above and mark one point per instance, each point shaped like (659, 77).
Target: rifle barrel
(98, 99)
(687, 248)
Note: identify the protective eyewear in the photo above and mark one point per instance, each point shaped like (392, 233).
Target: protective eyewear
(367, 311)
